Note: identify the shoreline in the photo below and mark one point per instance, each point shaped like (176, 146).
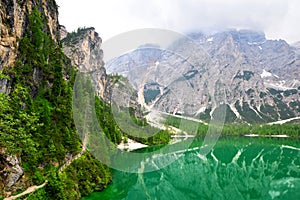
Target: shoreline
(130, 145)
(272, 136)
(245, 135)
(183, 136)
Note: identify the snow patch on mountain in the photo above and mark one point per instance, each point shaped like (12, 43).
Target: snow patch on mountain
(211, 39)
(278, 86)
(265, 74)
(202, 109)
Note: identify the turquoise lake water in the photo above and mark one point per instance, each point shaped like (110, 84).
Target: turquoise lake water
(236, 168)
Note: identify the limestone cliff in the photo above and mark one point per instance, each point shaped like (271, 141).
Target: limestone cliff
(13, 23)
(11, 171)
(84, 50)
(37, 131)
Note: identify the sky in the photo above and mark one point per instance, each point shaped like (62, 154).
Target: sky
(279, 19)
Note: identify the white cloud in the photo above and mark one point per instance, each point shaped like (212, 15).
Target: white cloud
(278, 18)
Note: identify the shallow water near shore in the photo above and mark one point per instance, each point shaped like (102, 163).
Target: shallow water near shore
(236, 168)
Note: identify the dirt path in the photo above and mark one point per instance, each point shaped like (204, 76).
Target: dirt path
(66, 164)
(71, 160)
(36, 187)
(28, 191)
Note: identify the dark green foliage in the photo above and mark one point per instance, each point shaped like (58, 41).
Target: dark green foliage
(246, 75)
(172, 121)
(249, 92)
(190, 127)
(290, 92)
(269, 111)
(137, 128)
(37, 123)
(138, 121)
(79, 33)
(115, 78)
(36, 120)
(55, 188)
(262, 95)
(295, 105)
(283, 110)
(295, 122)
(17, 126)
(151, 91)
(83, 176)
(280, 107)
(106, 121)
(275, 92)
(229, 116)
(291, 129)
(39, 87)
(206, 115)
(150, 95)
(247, 113)
(39, 195)
(3, 76)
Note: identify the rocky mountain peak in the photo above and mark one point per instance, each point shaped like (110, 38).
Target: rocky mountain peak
(248, 36)
(84, 49)
(258, 79)
(63, 32)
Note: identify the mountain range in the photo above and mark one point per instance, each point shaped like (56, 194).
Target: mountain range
(254, 78)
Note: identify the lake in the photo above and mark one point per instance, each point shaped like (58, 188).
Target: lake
(236, 168)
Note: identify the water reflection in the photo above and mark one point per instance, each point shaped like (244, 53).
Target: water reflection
(237, 168)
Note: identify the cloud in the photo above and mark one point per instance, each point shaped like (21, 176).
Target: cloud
(278, 18)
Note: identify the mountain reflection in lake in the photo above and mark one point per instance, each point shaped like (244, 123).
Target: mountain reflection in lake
(237, 168)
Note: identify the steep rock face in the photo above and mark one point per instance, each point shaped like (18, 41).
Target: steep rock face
(13, 23)
(252, 48)
(84, 50)
(257, 78)
(261, 76)
(11, 170)
(63, 32)
(12, 176)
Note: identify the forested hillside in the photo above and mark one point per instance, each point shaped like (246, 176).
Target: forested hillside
(37, 127)
(40, 145)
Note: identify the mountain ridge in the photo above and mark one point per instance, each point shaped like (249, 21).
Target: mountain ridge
(258, 77)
